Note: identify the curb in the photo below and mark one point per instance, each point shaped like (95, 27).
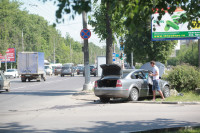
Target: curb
(151, 102)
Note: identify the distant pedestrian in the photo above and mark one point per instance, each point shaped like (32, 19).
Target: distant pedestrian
(155, 75)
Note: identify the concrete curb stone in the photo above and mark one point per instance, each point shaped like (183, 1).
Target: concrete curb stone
(90, 93)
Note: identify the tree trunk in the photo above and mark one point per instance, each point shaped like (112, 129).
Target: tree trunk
(109, 41)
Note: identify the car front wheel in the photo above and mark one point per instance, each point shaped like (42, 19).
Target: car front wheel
(166, 91)
(133, 96)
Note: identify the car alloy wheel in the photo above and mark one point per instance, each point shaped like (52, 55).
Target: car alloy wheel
(134, 94)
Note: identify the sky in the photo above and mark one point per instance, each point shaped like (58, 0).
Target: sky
(73, 27)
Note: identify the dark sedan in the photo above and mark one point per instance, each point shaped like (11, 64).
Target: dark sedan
(57, 70)
(80, 70)
(93, 71)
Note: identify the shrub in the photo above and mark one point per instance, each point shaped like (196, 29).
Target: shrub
(184, 78)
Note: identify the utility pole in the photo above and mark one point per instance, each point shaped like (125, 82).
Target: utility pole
(86, 86)
(199, 51)
(54, 52)
(70, 51)
(22, 42)
(5, 62)
(131, 60)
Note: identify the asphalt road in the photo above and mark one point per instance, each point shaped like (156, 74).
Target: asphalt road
(51, 107)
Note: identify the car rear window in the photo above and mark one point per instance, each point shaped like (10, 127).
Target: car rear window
(46, 67)
(10, 70)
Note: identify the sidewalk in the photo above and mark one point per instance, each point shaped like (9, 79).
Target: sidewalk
(89, 96)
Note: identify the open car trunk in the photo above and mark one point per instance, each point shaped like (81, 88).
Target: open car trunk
(110, 74)
(107, 83)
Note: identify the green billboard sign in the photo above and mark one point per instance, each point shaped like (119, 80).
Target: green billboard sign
(170, 28)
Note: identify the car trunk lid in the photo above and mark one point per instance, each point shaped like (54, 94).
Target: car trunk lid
(111, 69)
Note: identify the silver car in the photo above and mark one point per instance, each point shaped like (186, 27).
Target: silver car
(130, 83)
(4, 83)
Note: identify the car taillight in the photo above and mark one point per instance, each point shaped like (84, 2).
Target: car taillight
(119, 83)
(93, 69)
(96, 84)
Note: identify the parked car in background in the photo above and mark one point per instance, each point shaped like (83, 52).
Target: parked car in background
(129, 83)
(57, 70)
(11, 73)
(4, 83)
(93, 70)
(55, 65)
(67, 69)
(48, 69)
(80, 70)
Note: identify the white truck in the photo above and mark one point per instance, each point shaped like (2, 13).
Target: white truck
(100, 60)
(31, 66)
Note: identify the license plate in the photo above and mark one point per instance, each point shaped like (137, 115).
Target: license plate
(28, 75)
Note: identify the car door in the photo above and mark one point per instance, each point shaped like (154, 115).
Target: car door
(141, 82)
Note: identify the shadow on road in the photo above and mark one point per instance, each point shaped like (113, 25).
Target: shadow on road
(102, 126)
(43, 93)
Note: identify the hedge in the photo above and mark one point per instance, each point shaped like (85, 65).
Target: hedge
(184, 78)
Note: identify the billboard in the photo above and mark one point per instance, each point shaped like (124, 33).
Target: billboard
(170, 28)
(10, 54)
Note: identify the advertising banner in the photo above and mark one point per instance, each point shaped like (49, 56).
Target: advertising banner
(10, 55)
(171, 28)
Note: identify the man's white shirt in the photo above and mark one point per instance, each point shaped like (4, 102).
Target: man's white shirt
(155, 69)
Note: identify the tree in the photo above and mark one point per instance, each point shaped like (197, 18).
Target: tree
(187, 54)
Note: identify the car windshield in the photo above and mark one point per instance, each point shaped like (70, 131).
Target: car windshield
(46, 67)
(10, 70)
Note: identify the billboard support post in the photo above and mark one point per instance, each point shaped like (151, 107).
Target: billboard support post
(199, 51)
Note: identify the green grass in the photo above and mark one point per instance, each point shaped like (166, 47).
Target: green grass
(187, 97)
(194, 130)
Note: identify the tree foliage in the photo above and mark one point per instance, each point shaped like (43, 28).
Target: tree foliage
(38, 35)
(186, 54)
(184, 78)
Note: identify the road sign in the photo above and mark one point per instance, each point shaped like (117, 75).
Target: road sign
(85, 34)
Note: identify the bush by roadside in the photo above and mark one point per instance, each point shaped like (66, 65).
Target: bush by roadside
(184, 78)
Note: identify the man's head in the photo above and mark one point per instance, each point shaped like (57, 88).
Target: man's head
(152, 63)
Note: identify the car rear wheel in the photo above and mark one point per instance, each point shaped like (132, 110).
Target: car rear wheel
(134, 95)
(104, 99)
(166, 91)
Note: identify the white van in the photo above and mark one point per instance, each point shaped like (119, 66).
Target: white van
(48, 69)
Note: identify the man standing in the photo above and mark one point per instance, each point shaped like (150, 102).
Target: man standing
(155, 75)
